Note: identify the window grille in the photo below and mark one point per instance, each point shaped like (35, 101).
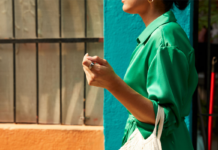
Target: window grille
(42, 43)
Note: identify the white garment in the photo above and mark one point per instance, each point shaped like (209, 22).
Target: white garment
(137, 142)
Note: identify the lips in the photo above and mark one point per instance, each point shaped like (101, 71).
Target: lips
(123, 1)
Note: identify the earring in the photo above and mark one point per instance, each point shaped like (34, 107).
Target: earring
(150, 1)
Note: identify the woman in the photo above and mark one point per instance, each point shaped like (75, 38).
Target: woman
(161, 72)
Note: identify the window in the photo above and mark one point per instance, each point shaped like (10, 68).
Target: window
(42, 43)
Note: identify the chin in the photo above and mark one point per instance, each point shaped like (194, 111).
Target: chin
(127, 10)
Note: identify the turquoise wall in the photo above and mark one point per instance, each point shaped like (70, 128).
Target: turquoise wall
(120, 33)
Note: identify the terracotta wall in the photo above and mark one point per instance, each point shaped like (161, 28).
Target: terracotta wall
(50, 137)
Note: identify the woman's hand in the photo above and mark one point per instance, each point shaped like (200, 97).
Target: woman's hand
(101, 74)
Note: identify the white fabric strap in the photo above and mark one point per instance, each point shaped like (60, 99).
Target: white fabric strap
(160, 117)
(136, 141)
(160, 128)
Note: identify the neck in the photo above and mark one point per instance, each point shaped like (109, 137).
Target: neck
(151, 14)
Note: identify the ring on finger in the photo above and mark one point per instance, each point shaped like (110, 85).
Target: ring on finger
(91, 65)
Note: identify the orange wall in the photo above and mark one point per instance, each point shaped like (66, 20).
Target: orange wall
(50, 137)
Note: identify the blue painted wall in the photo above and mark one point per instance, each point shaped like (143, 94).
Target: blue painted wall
(120, 33)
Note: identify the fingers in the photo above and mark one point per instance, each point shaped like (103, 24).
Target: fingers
(87, 72)
(85, 61)
(97, 60)
(91, 77)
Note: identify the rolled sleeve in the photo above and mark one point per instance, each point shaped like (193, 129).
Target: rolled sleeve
(167, 84)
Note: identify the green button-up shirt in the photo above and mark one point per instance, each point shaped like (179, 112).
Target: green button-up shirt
(162, 69)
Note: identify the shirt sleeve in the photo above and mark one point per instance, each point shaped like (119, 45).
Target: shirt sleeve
(167, 83)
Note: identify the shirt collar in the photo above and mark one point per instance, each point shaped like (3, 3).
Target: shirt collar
(164, 18)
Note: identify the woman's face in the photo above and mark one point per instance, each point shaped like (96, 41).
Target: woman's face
(135, 6)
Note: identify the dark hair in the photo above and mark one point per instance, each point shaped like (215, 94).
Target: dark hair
(181, 4)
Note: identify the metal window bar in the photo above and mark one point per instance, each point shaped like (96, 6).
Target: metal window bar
(84, 100)
(51, 40)
(60, 64)
(14, 59)
(37, 64)
(37, 40)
